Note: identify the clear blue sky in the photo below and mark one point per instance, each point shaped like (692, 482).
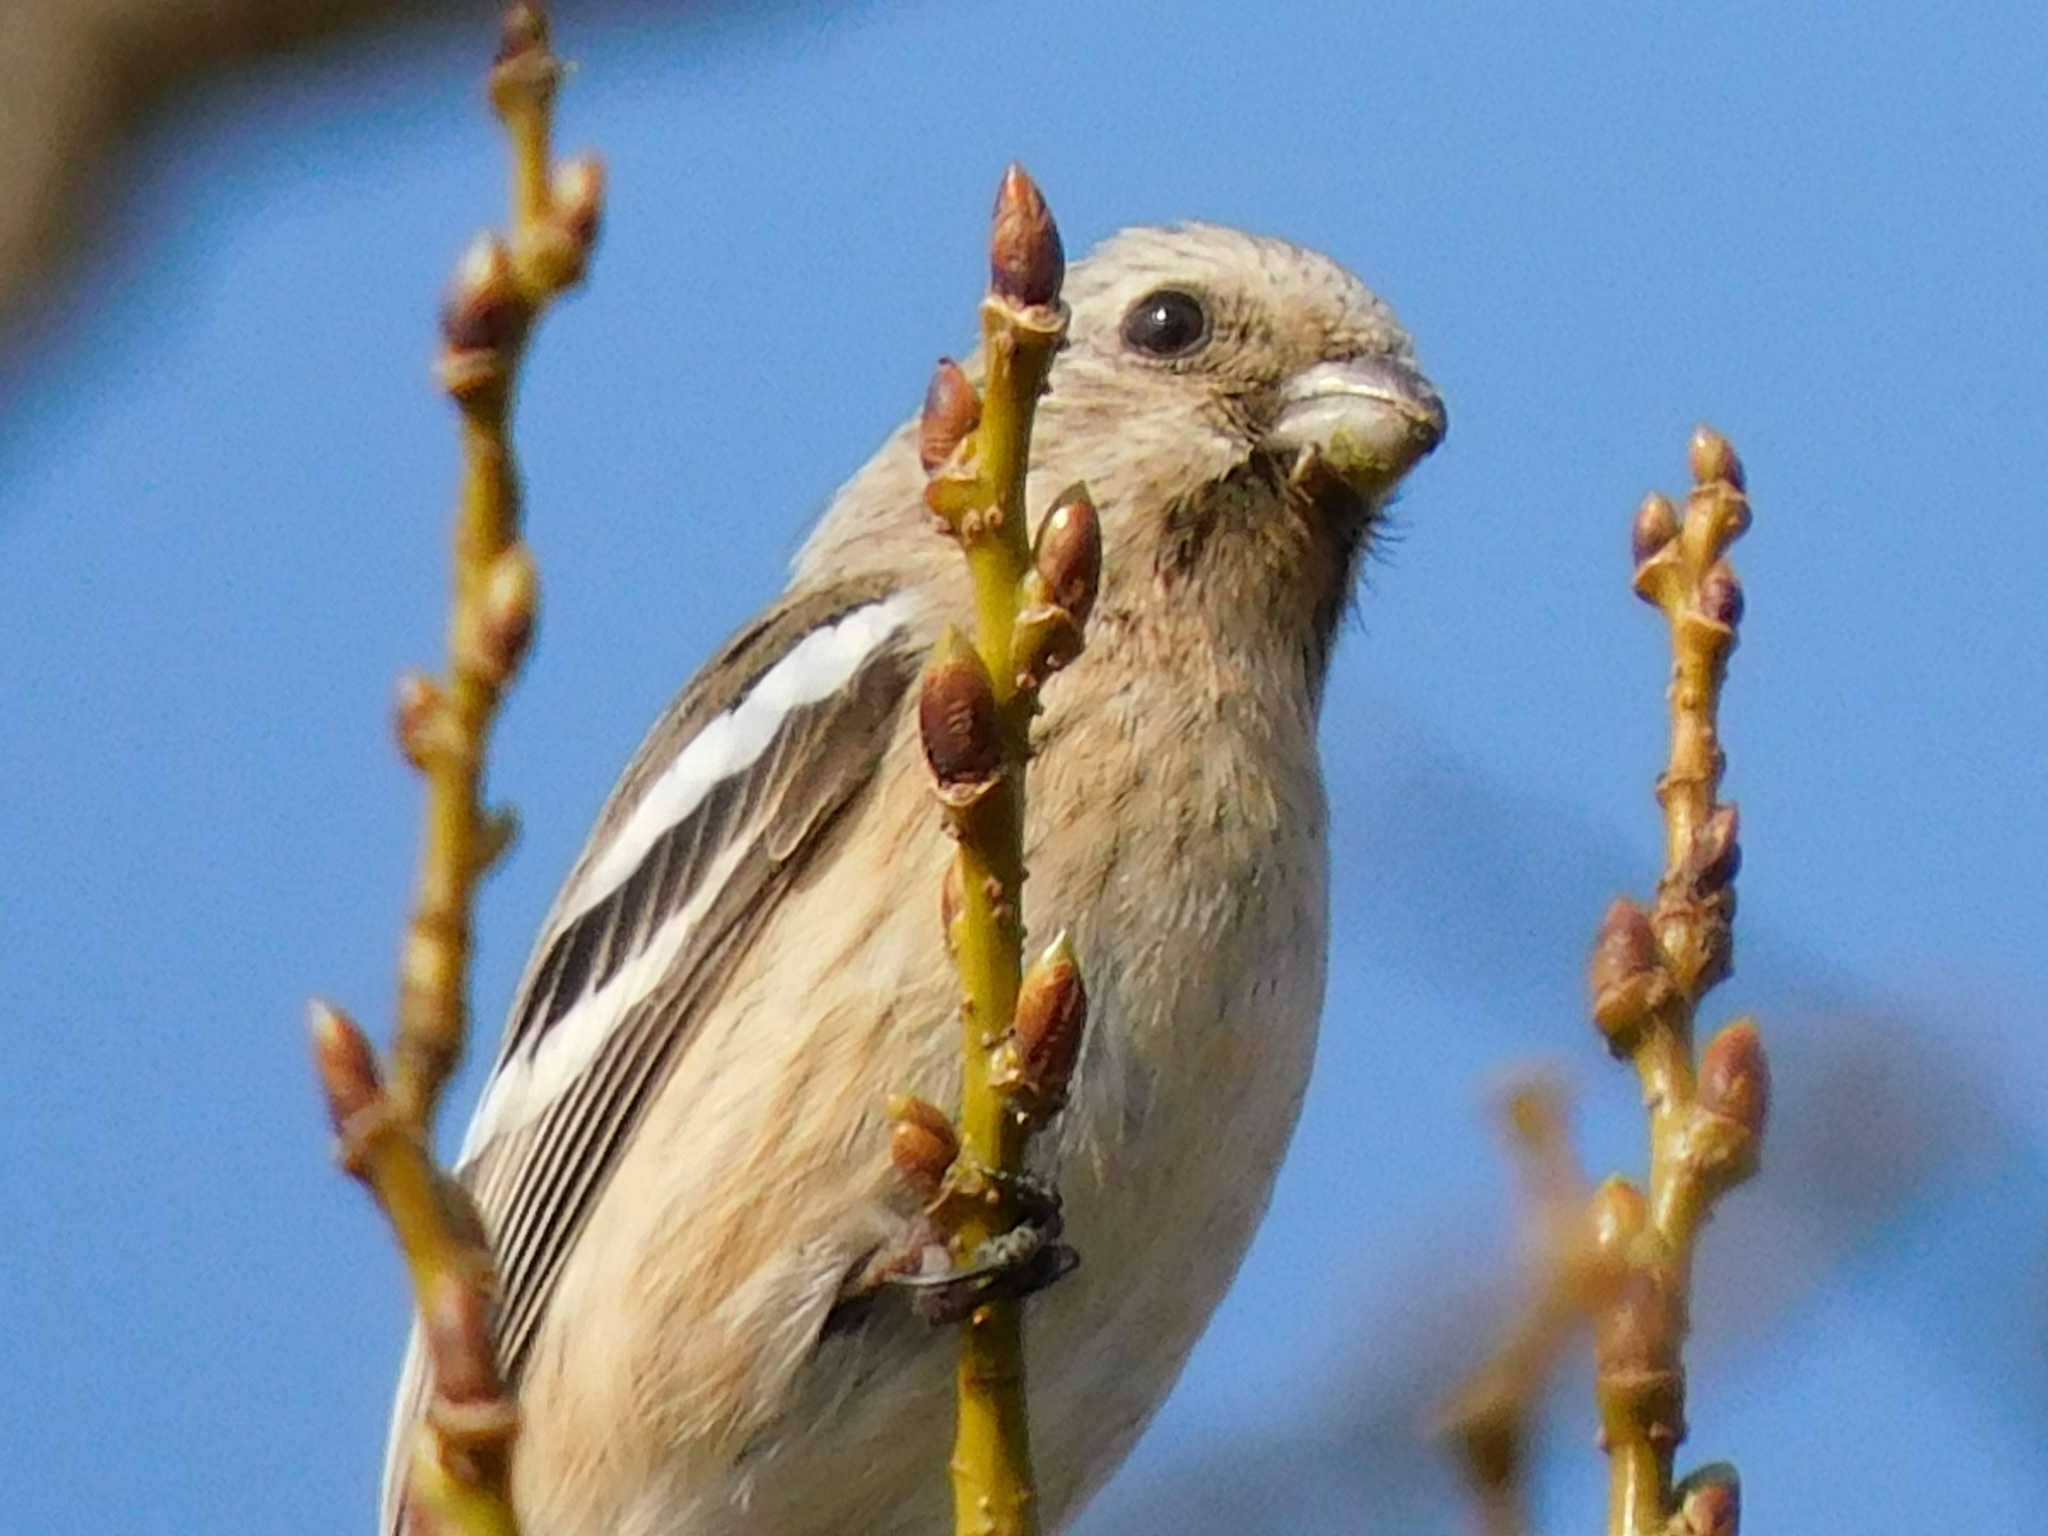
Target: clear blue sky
(221, 504)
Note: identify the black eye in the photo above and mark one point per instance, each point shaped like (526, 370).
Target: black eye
(1166, 323)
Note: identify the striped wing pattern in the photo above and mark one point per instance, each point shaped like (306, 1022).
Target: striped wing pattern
(686, 862)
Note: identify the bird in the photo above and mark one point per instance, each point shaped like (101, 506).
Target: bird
(680, 1156)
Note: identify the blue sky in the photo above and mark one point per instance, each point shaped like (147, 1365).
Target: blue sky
(223, 482)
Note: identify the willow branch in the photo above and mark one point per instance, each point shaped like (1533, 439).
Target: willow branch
(1021, 1028)
(1626, 1264)
(1650, 970)
(384, 1121)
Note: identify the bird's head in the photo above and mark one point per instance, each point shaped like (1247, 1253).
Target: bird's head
(1215, 347)
(1242, 409)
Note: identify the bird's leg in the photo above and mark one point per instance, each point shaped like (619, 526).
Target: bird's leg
(1026, 1259)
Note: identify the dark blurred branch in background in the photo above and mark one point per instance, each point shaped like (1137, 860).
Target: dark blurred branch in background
(81, 80)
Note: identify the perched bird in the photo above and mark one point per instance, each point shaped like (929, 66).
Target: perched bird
(681, 1155)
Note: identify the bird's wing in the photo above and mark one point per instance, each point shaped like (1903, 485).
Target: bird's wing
(727, 799)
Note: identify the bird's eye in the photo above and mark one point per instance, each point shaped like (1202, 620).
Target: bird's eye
(1166, 323)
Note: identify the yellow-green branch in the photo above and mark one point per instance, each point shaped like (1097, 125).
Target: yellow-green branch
(460, 1469)
(1622, 1258)
(1021, 1030)
(1650, 970)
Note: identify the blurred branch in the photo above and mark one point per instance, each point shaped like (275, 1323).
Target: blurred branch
(1629, 1265)
(460, 1468)
(81, 79)
(1888, 1120)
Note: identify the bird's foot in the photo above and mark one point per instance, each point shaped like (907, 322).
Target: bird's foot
(1014, 1264)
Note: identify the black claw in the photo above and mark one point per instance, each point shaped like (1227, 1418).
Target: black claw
(1024, 1260)
(944, 1299)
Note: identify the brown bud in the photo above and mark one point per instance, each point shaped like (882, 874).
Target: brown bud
(482, 312)
(1707, 1503)
(922, 1143)
(1716, 849)
(957, 720)
(1615, 1217)
(349, 1074)
(1068, 557)
(1045, 1039)
(509, 605)
(419, 718)
(1722, 1140)
(577, 193)
(525, 73)
(1627, 975)
(1656, 525)
(1721, 594)
(1026, 263)
(1713, 458)
(522, 28)
(1735, 1077)
(951, 410)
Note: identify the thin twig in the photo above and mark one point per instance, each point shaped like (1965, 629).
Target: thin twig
(461, 1464)
(1021, 1028)
(1627, 1264)
(1650, 970)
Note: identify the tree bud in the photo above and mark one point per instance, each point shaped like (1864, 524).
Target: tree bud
(957, 721)
(525, 73)
(922, 1143)
(1656, 525)
(1716, 850)
(522, 28)
(1713, 459)
(1627, 975)
(951, 411)
(1027, 263)
(1615, 1217)
(482, 312)
(1708, 1503)
(577, 193)
(349, 1074)
(1735, 1077)
(1068, 556)
(1045, 1039)
(509, 604)
(419, 718)
(1721, 594)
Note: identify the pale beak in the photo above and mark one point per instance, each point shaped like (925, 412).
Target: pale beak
(1369, 419)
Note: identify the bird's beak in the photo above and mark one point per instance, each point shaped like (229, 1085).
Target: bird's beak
(1368, 419)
